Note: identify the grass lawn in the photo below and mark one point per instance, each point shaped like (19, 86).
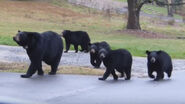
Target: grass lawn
(156, 10)
(57, 15)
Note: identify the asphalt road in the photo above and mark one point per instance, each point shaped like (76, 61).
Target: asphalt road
(78, 89)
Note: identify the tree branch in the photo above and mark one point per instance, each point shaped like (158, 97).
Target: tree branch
(172, 4)
(142, 3)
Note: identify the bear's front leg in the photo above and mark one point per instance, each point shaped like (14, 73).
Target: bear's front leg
(98, 63)
(106, 74)
(93, 60)
(160, 75)
(67, 47)
(150, 71)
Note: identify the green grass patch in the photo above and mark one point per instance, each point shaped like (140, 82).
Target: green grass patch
(58, 15)
(156, 10)
(121, 0)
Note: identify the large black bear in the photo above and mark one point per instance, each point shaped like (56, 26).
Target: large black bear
(94, 48)
(47, 47)
(120, 59)
(76, 38)
(160, 62)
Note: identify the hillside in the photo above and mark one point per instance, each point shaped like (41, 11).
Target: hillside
(58, 15)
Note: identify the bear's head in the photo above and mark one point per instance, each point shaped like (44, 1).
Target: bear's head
(153, 56)
(102, 53)
(26, 39)
(93, 47)
(65, 33)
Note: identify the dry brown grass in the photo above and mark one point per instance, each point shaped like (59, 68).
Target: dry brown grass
(75, 70)
(36, 10)
(22, 68)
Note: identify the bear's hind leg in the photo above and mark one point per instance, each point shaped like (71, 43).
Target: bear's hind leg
(53, 69)
(169, 72)
(122, 75)
(114, 75)
(76, 48)
(40, 71)
(54, 66)
(82, 48)
(128, 73)
(86, 49)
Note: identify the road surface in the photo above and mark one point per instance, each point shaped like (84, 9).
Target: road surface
(78, 89)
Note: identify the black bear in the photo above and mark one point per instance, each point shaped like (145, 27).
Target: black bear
(120, 59)
(94, 48)
(160, 62)
(47, 47)
(76, 38)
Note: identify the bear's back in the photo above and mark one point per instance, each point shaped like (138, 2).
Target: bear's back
(52, 45)
(120, 57)
(165, 59)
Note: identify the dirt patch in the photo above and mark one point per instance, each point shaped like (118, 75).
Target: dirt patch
(145, 34)
(31, 7)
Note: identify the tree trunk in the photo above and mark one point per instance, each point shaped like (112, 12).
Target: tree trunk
(169, 8)
(133, 15)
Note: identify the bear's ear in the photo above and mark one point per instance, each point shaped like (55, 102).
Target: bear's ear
(148, 52)
(64, 32)
(158, 52)
(18, 31)
(89, 44)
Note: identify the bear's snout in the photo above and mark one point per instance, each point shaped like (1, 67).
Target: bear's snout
(102, 55)
(92, 51)
(153, 60)
(62, 34)
(16, 38)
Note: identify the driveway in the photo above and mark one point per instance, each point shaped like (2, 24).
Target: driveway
(78, 89)
(15, 54)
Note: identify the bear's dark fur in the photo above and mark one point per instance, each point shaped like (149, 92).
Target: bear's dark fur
(76, 38)
(160, 62)
(120, 59)
(94, 48)
(47, 47)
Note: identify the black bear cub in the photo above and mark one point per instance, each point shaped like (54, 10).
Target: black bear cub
(76, 38)
(47, 47)
(120, 59)
(159, 62)
(94, 49)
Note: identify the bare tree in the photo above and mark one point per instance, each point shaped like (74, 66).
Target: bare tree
(134, 8)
